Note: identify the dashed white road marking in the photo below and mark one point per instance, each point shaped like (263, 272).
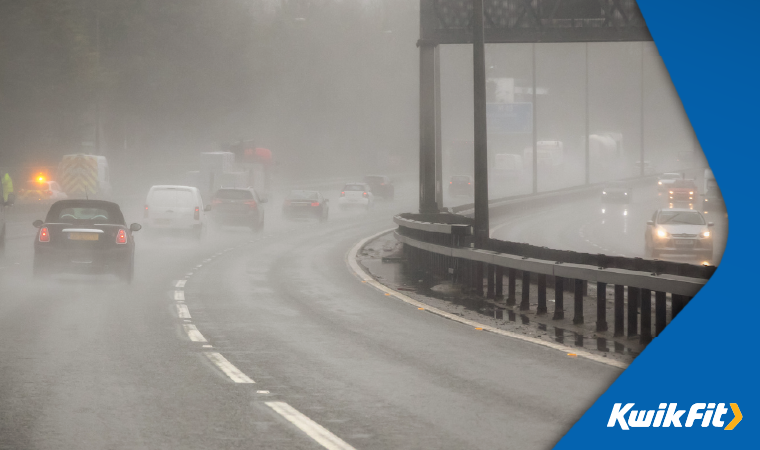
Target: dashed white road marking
(193, 333)
(228, 368)
(179, 295)
(180, 283)
(365, 277)
(183, 312)
(314, 430)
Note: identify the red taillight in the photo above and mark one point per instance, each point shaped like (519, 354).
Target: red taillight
(44, 235)
(146, 212)
(251, 203)
(216, 201)
(451, 182)
(197, 214)
(314, 203)
(49, 192)
(469, 183)
(343, 194)
(382, 184)
(364, 194)
(121, 237)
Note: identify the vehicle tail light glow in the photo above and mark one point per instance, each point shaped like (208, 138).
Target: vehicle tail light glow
(451, 182)
(251, 203)
(121, 237)
(216, 201)
(145, 214)
(469, 183)
(343, 194)
(314, 203)
(44, 235)
(197, 214)
(364, 194)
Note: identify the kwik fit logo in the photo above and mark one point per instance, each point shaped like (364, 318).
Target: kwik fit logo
(668, 415)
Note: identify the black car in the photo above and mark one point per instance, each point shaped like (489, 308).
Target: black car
(381, 186)
(617, 192)
(461, 185)
(240, 207)
(305, 204)
(84, 236)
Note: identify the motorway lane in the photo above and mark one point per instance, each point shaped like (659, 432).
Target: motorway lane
(87, 363)
(591, 226)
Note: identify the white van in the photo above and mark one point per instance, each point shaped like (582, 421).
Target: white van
(175, 208)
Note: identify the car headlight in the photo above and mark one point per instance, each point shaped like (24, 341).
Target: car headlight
(671, 192)
(604, 192)
(626, 193)
(706, 234)
(691, 193)
(662, 233)
(659, 182)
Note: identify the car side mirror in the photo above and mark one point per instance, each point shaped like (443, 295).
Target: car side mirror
(710, 224)
(650, 222)
(37, 223)
(207, 208)
(135, 227)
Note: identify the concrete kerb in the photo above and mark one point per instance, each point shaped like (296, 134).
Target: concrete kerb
(356, 268)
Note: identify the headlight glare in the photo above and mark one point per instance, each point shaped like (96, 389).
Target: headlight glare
(706, 234)
(662, 233)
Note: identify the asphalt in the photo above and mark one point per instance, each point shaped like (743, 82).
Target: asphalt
(87, 362)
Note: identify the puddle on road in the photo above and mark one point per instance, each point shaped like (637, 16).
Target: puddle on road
(395, 275)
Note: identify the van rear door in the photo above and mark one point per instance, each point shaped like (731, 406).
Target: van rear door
(172, 207)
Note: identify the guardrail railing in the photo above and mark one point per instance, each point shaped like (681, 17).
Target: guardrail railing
(441, 245)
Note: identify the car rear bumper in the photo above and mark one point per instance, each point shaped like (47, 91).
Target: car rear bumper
(66, 261)
(352, 202)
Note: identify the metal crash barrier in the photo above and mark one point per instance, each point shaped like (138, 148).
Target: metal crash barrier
(444, 248)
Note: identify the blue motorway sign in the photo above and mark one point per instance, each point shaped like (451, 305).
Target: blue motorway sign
(504, 118)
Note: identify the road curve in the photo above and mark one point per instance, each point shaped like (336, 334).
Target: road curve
(88, 363)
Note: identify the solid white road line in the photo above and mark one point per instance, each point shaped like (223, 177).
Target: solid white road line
(314, 430)
(180, 283)
(230, 370)
(179, 295)
(183, 312)
(365, 277)
(193, 333)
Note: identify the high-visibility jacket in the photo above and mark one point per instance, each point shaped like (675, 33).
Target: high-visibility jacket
(7, 186)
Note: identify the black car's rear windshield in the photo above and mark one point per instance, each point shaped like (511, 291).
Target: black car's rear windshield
(234, 194)
(65, 212)
(303, 195)
(681, 218)
(355, 187)
(460, 179)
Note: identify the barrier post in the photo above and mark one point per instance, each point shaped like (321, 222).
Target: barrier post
(499, 279)
(646, 317)
(578, 307)
(491, 274)
(633, 311)
(559, 300)
(525, 303)
(660, 311)
(511, 295)
(601, 306)
(619, 310)
(541, 294)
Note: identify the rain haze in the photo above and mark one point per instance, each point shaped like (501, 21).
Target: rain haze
(218, 228)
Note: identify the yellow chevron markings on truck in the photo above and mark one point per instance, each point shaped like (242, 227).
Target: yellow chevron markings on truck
(79, 175)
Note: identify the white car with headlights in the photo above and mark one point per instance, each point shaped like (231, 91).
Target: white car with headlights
(665, 180)
(679, 231)
(356, 195)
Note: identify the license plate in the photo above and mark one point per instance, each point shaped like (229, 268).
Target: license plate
(83, 236)
(684, 242)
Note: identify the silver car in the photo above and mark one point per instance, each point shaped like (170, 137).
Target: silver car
(679, 231)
